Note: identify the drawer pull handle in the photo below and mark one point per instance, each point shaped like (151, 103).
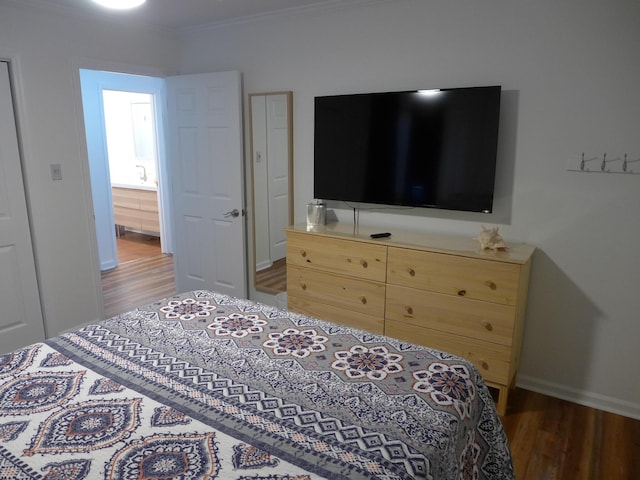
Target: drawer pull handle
(490, 284)
(363, 299)
(303, 286)
(412, 272)
(409, 310)
(488, 326)
(484, 364)
(364, 263)
(462, 293)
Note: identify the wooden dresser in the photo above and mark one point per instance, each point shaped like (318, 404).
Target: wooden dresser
(435, 290)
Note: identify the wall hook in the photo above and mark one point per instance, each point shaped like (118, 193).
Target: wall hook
(604, 165)
(584, 161)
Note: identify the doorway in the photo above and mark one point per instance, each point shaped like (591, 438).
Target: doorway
(204, 196)
(126, 158)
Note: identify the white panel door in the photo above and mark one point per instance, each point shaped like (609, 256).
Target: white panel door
(21, 320)
(206, 163)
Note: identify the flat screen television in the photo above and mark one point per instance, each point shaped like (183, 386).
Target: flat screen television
(426, 148)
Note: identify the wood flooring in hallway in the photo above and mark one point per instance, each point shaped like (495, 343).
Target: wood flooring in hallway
(144, 274)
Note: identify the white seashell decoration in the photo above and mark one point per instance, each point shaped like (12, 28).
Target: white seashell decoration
(490, 239)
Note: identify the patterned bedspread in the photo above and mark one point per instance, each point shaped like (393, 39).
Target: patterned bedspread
(206, 386)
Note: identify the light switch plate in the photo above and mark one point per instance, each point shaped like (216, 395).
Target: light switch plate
(56, 171)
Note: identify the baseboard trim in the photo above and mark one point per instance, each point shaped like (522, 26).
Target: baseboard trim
(581, 397)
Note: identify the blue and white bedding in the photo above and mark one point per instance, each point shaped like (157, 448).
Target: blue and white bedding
(206, 386)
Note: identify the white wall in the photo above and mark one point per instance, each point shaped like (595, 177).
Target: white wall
(570, 75)
(46, 51)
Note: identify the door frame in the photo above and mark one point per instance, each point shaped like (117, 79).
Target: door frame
(93, 83)
(92, 64)
(78, 64)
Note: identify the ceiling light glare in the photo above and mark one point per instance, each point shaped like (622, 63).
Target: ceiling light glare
(429, 93)
(120, 4)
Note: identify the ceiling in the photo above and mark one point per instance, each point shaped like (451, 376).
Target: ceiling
(184, 14)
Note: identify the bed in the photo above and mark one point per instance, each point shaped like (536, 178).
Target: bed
(206, 386)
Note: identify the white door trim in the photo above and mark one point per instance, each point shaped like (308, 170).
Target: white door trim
(76, 64)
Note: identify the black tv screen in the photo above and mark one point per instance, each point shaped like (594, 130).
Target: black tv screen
(431, 148)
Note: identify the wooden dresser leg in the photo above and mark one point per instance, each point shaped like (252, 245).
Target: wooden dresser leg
(503, 395)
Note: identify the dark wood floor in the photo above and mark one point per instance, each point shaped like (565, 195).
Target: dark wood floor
(549, 438)
(556, 439)
(273, 279)
(144, 274)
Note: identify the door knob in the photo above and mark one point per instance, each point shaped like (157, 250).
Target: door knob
(233, 213)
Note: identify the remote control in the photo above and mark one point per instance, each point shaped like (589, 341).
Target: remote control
(380, 235)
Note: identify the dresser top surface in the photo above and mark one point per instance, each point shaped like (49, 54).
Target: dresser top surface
(516, 252)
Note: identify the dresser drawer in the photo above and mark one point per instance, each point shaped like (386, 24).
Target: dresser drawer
(148, 201)
(343, 292)
(334, 314)
(125, 197)
(149, 221)
(479, 279)
(487, 321)
(347, 257)
(126, 216)
(492, 360)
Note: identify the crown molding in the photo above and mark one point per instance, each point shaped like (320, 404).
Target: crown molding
(121, 18)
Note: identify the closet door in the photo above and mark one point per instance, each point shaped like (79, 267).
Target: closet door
(20, 316)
